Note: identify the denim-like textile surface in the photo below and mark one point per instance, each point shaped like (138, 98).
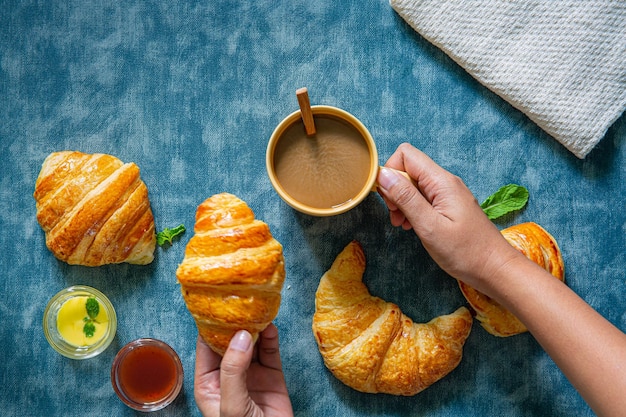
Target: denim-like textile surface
(191, 91)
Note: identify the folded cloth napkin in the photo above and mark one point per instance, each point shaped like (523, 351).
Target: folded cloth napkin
(562, 63)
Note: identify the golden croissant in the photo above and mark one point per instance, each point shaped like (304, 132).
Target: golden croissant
(540, 247)
(94, 210)
(232, 273)
(370, 345)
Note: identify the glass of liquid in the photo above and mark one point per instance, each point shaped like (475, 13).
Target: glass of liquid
(147, 375)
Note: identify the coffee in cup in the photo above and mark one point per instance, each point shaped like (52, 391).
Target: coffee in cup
(327, 173)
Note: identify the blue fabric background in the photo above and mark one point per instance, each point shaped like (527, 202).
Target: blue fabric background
(191, 91)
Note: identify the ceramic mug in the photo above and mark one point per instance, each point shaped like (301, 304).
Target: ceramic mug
(327, 173)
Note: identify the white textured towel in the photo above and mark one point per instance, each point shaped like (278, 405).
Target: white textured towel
(562, 63)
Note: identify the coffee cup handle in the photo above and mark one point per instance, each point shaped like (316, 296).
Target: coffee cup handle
(404, 174)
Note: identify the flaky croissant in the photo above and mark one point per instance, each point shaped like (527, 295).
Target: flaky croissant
(94, 210)
(540, 247)
(232, 273)
(370, 345)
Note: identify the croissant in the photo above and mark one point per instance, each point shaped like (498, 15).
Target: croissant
(370, 345)
(539, 246)
(233, 271)
(94, 210)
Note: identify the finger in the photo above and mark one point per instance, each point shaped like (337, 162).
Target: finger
(395, 214)
(411, 204)
(233, 375)
(269, 353)
(207, 361)
(397, 217)
(206, 382)
(416, 163)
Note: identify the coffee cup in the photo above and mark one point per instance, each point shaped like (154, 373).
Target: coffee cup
(327, 173)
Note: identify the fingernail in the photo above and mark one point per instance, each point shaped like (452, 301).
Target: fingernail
(387, 178)
(241, 341)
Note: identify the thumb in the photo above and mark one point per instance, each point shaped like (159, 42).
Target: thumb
(233, 375)
(402, 195)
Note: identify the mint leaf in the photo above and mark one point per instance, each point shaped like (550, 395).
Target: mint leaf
(93, 308)
(508, 198)
(168, 235)
(89, 329)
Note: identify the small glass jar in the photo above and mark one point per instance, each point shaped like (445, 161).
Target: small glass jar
(53, 335)
(147, 375)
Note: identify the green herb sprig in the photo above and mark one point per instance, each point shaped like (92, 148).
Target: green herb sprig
(508, 198)
(93, 309)
(168, 235)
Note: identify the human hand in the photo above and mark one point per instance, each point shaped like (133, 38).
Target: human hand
(446, 217)
(248, 381)
(465, 243)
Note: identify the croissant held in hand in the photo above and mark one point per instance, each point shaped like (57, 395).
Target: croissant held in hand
(370, 345)
(540, 247)
(94, 210)
(232, 273)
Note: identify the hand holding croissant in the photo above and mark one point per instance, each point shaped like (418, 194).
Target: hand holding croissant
(232, 273)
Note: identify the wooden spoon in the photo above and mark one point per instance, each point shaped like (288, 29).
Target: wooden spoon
(305, 109)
